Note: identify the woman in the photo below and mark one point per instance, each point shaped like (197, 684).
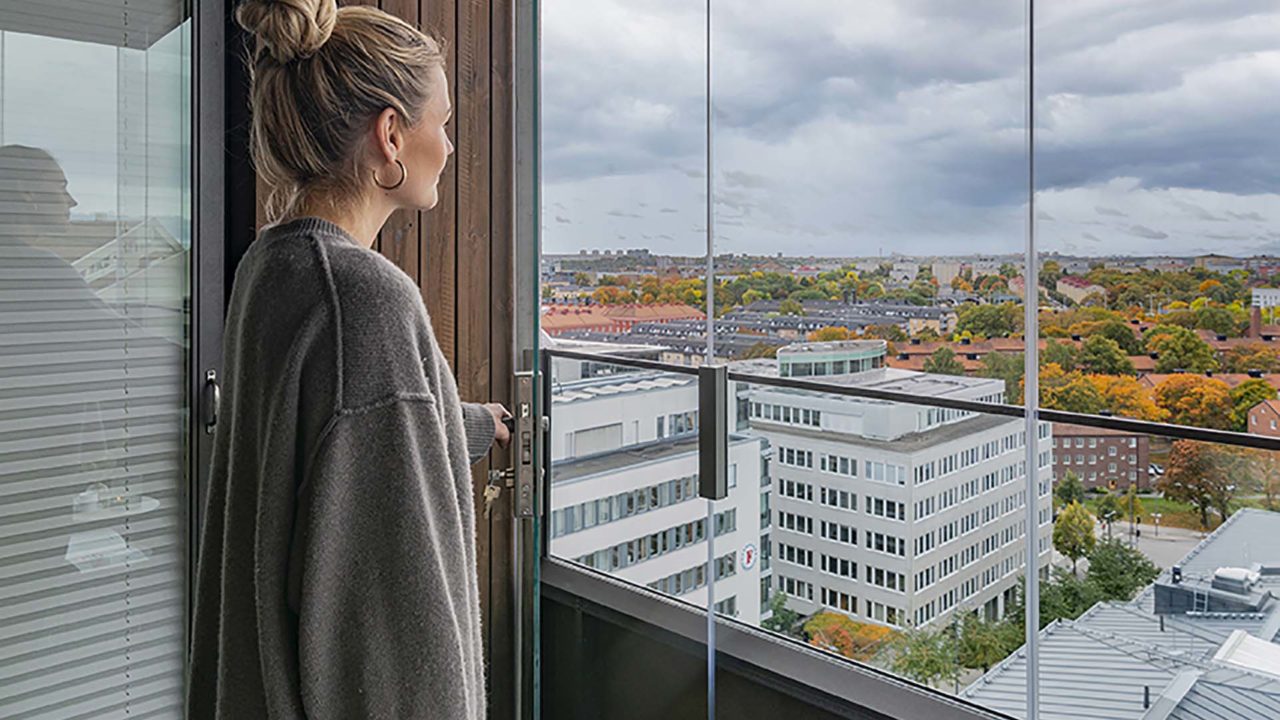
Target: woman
(337, 574)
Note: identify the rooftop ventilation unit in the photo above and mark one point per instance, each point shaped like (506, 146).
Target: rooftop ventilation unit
(1235, 579)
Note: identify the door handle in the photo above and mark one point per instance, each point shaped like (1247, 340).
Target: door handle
(210, 400)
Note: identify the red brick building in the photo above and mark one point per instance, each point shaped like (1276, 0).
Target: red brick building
(1098, 456)
(1264, 418)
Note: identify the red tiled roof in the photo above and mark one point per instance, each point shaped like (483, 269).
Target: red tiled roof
(653, 313)
(1231, 379)
(1070, 430)
(1272, 405)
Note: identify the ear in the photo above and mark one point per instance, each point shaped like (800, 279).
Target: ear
(388, 135)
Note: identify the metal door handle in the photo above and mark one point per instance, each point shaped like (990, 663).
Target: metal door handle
(210, 400)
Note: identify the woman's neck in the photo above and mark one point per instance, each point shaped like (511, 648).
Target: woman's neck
(361, 221)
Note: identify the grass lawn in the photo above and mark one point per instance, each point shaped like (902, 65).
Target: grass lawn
(1174, 513)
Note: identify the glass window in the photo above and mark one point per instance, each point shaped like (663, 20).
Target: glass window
(95, 239)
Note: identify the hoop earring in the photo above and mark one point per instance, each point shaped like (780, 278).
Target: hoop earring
(404, 173)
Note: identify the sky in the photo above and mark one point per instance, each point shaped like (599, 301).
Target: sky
(850, 128)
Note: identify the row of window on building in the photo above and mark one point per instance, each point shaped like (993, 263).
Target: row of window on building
(786, 414)
(843, 465)
(574, 518)
(695, 577)
(839, 600)
(653, 545)
(676, 424)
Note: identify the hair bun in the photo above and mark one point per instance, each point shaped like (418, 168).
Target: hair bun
(289, 29)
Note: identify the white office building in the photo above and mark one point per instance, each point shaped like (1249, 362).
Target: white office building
(624, 491)
(893, 513)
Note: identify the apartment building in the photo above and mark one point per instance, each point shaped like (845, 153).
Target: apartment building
(1102, 457)
(892, 513)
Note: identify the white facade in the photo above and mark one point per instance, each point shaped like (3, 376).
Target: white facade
(898, 514)
(624, 494)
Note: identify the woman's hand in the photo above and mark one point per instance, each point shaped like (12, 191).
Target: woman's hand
(501, 435)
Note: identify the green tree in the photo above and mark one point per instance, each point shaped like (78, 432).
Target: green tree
(1218, 319)
(1119, 571)
(581, 279)
(943, 361)
(1066, 596)
(1072, 392)
(1244, 397)
(1180, 349)
(1058, 353)
(1008, 367)
(1132, 504)
(1103, 356)
(1109, 510)
(752, 295)
(929, 657)
(1116, 330)
(790, 307)
(1070, 490)
(989, 321)
(782, 618)
(1073, 533)
(982, 642)
(1050, 274)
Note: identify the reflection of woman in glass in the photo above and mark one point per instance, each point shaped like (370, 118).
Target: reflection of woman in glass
(337, 574)
(35, 208)
(48, 311)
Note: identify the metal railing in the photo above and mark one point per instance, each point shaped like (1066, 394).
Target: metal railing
(1103, 422)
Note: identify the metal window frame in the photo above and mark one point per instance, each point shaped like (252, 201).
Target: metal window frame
(209, 65)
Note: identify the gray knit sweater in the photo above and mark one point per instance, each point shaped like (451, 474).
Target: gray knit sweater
(337, 570)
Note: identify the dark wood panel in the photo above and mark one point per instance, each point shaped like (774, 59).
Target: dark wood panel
(502, 627)
(438, 229)
(472, 316)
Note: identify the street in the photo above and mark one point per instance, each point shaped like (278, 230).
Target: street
(1166, 550)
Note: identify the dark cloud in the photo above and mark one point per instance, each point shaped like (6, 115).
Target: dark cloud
(903, 124)
(1247, 216)
(562, 219)
(1143, 231)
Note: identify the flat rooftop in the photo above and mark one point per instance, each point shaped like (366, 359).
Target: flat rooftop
(887, 379)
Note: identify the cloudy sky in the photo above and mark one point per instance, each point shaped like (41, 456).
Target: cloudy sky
(860, 127)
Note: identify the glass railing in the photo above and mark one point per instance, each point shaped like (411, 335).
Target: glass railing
(899, 518)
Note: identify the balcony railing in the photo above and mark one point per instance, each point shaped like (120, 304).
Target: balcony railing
(855, 546)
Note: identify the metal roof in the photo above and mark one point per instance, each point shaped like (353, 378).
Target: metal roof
(1102, 664)
(1084, 675)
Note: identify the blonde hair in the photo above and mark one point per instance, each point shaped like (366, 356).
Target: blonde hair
(320, 75)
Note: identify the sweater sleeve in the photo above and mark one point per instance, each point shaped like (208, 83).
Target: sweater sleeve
(478, 423)
(382, 572)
